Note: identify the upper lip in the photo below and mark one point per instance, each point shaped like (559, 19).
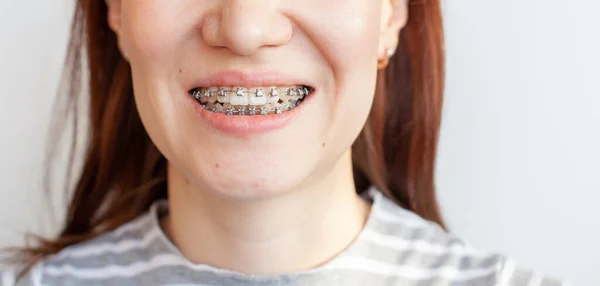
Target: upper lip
(235, 78)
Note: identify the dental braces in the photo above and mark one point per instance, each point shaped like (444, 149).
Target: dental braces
(258, 92)
(212, 99)
(254, 110)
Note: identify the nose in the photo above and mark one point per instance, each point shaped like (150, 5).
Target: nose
(245, 26)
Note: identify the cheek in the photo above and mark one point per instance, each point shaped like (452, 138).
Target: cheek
(153, 38)
(347, 34)
(151, 33)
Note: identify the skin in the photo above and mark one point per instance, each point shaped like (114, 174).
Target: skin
(275, 202)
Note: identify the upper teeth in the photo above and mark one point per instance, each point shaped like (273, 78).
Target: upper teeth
(250, 96)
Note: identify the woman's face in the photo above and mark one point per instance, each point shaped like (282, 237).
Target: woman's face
(253, 57)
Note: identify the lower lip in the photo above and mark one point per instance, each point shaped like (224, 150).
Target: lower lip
(244, 126)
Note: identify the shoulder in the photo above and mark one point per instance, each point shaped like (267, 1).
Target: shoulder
(124, 245)
(414, 245)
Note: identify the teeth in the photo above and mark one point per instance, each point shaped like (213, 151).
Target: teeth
(219, 107)
(252, 110)
(256, 96)
(240, 97)
(250, 101)
(288, 105)
(229, 110)
(264, 110)
(277, 108)
(209, 106)
(197, 94)
(273, 95)
(290, 94)
(274, 92)
(209, 96)
(240, 91)
(223, 95)
(299, 94)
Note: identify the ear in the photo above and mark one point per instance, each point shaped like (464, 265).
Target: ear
(394, 15)
(114, 22)
(114, 15)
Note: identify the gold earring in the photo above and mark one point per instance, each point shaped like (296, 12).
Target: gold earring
(383, 63)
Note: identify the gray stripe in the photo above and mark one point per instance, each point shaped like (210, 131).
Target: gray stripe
(133, 229)
(520, 277)
(181, 275)
(423, 260)
(117, 259)
(550, 282)
(490, 280)
(142, 226)
(389, 206)
(425, 230)
(430, 235)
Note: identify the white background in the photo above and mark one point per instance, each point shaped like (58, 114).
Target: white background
(520, 143)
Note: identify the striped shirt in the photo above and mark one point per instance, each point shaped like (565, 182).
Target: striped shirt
(396, 247)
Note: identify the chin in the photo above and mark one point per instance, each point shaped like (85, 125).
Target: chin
(246, 175)
(253, 185)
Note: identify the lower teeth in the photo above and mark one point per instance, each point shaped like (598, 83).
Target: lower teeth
(266, 109)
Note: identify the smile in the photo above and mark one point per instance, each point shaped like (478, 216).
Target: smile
(250, 101)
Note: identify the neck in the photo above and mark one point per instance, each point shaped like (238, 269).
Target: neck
(299, 230)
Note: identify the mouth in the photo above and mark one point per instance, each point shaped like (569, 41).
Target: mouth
(251, 101)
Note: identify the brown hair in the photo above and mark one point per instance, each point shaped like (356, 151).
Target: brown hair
(124, 173)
